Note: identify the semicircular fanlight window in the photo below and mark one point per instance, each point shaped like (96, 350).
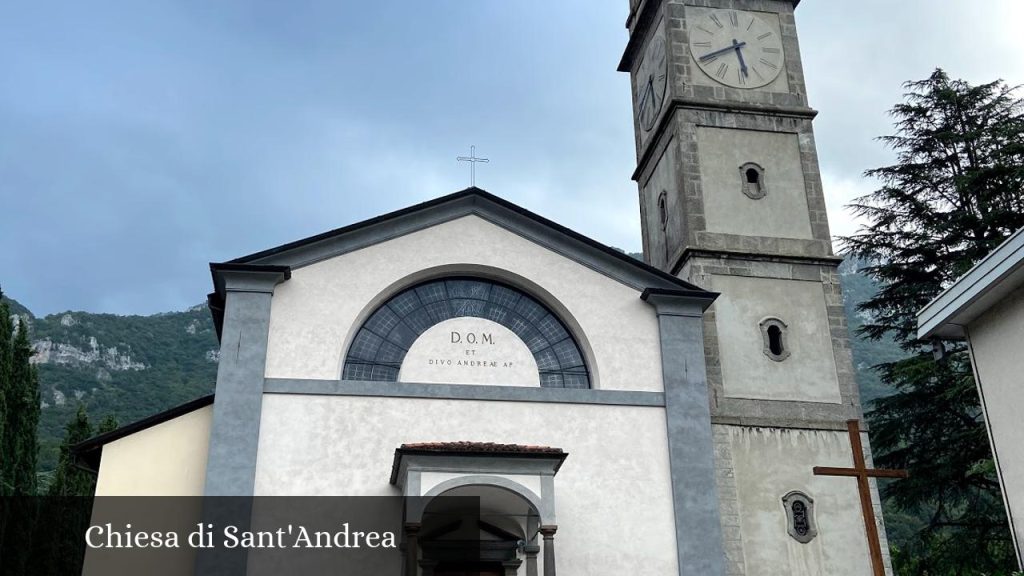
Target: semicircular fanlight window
(380, 345)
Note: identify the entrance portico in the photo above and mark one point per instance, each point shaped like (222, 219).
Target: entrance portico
(478, 508)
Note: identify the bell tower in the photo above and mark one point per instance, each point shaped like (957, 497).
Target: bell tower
(731, 200)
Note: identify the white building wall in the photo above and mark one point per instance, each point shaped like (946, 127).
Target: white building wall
(316, 313)
(995, 339)
(771, 462)
(613, 495)
(168, 459)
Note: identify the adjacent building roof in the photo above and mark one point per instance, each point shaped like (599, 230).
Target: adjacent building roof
(991, 280)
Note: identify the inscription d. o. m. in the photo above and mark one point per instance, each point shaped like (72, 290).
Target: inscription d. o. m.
(472, 338)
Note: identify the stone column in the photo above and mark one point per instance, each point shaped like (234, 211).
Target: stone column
(511, 566)
(531, 559)
(549, 549)
(699, 542)
(412, 532)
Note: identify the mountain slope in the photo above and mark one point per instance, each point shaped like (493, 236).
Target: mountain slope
(128, 366)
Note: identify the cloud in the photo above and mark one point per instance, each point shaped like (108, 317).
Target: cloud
(139, 142)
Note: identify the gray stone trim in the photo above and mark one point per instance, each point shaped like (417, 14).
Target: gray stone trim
(728, 502)
(463, 392)
(788, 421)
(235, 431)
(699, 542)
(234, 435)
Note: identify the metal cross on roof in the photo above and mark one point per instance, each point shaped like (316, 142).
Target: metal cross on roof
(472, 159)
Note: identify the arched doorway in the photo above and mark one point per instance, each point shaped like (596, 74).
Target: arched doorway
(478, 530)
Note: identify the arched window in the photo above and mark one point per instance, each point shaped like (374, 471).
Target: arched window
(382, 342)
(773, 332)
(752, 180)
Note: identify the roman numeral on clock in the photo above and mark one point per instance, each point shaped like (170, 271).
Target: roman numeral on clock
(769, 64)
(723, 69)
(714, 18)
(702, 44)
(771, 50)
(765, 35)
(734, 18)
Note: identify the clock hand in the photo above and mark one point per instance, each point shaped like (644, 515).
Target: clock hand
(739, 54)
(643, 97)
(711, 55)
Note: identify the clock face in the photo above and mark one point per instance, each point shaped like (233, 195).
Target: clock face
(650, 83)
(735, 48)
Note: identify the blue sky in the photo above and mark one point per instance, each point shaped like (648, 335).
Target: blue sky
(141, 140)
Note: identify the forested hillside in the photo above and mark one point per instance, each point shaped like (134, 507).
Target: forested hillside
(125, 366)
(134, 366)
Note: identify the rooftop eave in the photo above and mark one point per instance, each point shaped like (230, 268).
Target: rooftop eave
(982, 287)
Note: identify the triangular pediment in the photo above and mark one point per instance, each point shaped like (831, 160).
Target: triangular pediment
(471, 201)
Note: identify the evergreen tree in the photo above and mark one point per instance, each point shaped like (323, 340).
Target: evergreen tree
(955, 192)
(20, 447)
(58, 541)
(5, 393)
(5, 388)
(68, 479)
(23, 416)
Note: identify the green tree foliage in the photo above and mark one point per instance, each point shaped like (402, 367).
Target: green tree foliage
(60, 547)
(68, 479)
(22, 417)
(5, 385)
(955, 192)
(20, 391)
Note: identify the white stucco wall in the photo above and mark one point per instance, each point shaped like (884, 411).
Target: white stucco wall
(996, 339)
(612, 495)
(315, 314)
(808, 374)
(768, 464)
(168, 459)
(782, 212)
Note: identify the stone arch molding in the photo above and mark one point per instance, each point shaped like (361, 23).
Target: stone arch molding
(543, 508)
(379, 346)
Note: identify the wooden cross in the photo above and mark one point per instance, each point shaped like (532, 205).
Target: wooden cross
(472, 159)
(861, 472)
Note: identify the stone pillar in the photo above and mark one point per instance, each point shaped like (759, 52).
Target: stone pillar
(511, 566)
(531, 559)
(549, 549)
(699, 542)
(412, 532)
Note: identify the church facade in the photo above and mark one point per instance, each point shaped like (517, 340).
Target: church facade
(613, 416)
